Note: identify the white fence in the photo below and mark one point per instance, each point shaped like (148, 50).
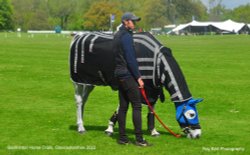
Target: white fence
(62, 32)
(47, 32)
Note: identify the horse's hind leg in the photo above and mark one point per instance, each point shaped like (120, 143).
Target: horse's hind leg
(112, 121)
(81, 95)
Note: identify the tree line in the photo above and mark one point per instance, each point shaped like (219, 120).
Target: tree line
(95, 14)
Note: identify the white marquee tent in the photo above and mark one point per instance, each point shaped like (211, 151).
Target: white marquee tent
(227, 26)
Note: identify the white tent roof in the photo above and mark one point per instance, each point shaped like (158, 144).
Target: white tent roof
(230, 26)
(227, 25)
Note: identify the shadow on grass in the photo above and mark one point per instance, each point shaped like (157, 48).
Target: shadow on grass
(115, 135)
(89, 127)
(103, 128)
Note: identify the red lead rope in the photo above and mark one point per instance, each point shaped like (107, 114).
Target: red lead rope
(152, 110)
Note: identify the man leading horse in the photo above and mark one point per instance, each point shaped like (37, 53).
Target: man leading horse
(92, 63)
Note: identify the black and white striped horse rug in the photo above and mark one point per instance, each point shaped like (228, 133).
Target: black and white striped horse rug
(92, 61)
(92, 58)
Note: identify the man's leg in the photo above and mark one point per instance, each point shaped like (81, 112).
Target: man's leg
(135, 98)
(123, 108)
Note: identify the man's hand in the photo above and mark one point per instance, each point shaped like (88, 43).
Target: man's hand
(141, 83)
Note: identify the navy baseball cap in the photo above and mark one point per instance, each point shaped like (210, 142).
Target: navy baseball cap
(130, 16)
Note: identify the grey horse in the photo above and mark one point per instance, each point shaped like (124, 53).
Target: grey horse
(92, 64)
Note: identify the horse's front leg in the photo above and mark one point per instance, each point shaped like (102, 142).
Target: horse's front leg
(81, 95)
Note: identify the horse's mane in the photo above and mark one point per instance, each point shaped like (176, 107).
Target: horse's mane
(148, 34)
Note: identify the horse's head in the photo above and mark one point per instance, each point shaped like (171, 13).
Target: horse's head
(167, 72)
(187, 117)
(173, 80)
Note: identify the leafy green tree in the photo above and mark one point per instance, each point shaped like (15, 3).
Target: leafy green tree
(40, 16)
(199, 11)
(76, 18)
(98, 16)
(31, 14)
(217, 11)
(62, 10)
(189, 9)
(22, 13)
(242, 14)
(162, 12)
(94, 14)
(155, 14)
(6, 21)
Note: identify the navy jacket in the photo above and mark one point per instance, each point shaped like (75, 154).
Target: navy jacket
(125, 56)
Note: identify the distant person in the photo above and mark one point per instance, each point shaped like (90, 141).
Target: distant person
(140, 30)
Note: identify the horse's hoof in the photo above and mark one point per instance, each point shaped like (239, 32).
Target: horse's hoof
(82, 132)
(108, 133)
(155, 133)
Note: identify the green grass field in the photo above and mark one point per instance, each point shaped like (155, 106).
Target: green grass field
(38, 112)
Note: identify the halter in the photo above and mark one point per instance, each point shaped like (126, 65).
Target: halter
(182, 114)
(186, 129)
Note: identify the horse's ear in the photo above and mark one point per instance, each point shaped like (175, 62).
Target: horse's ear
(195, 101)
